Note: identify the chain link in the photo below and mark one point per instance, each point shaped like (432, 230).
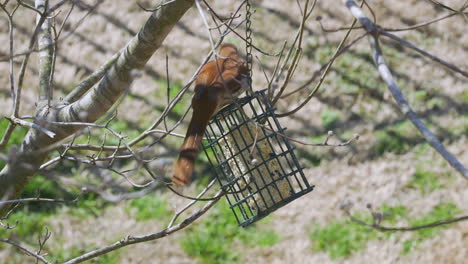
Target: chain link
(248, 41)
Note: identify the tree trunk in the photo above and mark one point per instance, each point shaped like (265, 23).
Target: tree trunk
(23, 162)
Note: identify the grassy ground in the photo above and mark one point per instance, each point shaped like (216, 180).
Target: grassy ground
(390, 166)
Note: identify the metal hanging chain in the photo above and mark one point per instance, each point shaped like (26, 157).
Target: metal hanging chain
(248, 42)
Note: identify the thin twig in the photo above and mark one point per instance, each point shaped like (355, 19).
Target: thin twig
(192, 202)
(129, 240)
(422, 24)
(39, 199)
(233, 30)
(378, 217)
(297, 54)
(405, 108)
(25, 123)
(156, 8)
(322, 77)
(168, 86)
(324, 66)
(181, 93)
(42, 240)
(24, 249)
(425, 53)
(11, 126)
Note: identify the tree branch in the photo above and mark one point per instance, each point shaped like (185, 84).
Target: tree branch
(86, 84)
(95, 103)
(92, 105)
(46, 53)
(26, 250)
(377, 218)
(405, 108)
(424, 53)
(322, 77)
(11, 126)
(129, 240)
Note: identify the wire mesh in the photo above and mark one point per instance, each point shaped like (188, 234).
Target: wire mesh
(253, 162)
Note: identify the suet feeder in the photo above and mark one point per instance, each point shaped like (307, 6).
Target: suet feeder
(252, 159)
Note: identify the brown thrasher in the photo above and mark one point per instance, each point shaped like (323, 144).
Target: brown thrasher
(218, 83)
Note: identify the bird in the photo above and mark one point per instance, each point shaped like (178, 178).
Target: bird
(218, 83)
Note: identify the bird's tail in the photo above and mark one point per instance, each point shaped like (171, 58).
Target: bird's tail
(185, 163)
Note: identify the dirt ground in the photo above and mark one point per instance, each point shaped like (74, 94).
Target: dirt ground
(353, 91)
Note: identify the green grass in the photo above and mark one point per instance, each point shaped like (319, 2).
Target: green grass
(464, 96)
(420, 95)
(422, 149)
(87, 206)
(161, 93)
(99, 134)
(440, 212)
(462, 128)
(60, 255)
(149, 207)
(363, 73)
(15, 139)
(426, 100)
(309, 159)
(342, 238)
(330, 118)
(425, 181)
(215, 239)
(393, 213)
(395, 138)
(32, 222)
(389, 141)
(17, 135)
(435, 103)
(122, 128)
(28, 223)
(39, 186)
(266, 238)
(33, 217)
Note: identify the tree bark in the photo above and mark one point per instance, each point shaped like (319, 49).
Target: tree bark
(24, 161)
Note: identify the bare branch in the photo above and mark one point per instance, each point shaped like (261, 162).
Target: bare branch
(298, 52)
(422, 24)
(118, 148)
(233, 29)
(11, 126)
(377, 218)
(21, 122)
(324, 66)
(42, 240)
(92, 79)
(38, 199)
(192, 202)
(181, 93)
(156, 8)
(46, 55)
(93, 104)
(405, 108)
(129, 240)
(24, 249)
(7, 135)
(425, 53)
(322, 77)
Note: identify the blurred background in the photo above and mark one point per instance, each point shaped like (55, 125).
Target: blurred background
(390, 167)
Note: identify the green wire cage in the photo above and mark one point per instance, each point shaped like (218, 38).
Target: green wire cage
(252, 159)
